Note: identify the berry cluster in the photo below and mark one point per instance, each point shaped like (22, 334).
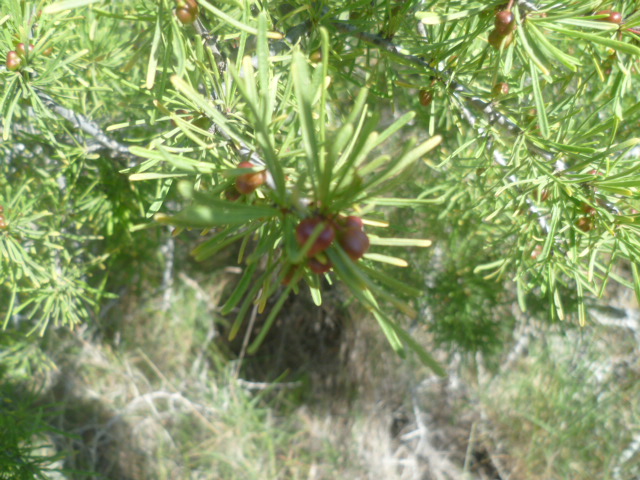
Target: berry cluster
(16, 57)
(3, 222)
(502, 35)
(348, 231)
(187, 11)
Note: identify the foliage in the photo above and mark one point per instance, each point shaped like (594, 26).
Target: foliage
(120, 105)
(22, 425)
(517, 165)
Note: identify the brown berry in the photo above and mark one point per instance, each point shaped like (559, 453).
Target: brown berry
(248, 182)
(505, 22)
(319, 267)
(613, 17)
(231, 194)
(187, 4)
(585, 224)
(498, 41)
(354, 242)
(186, 16)
(499, 89)
(305, 229)
(13, 61)
(426, 97)
(544, 195)
(586, 208)
(21, 49)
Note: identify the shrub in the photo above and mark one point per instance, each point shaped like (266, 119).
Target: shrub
(121, 105)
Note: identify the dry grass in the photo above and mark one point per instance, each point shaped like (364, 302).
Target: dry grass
(327, 399)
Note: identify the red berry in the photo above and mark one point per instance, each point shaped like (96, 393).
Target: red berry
(13, 61)
(353, 222)
(500, 88)
(248, 182)
(186, 16)
(505, 22)
(354, 242)
(614, 17)
(426, 97)
(318, 267)
(305, 229)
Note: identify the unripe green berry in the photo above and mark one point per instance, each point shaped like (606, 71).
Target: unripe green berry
(316, 57)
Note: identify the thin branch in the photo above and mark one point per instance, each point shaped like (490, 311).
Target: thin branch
(533, 208)
(460, 91)
(82, 123)
(211, 41)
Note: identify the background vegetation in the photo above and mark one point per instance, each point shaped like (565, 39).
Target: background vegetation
(159, 324)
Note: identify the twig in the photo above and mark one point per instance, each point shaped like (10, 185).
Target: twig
(533, 208)
(626, 455)
(527, 5)
(461, 92)
(81, 122)
(211, 41)
(245, 341)
(267, 385)
(168, 249)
